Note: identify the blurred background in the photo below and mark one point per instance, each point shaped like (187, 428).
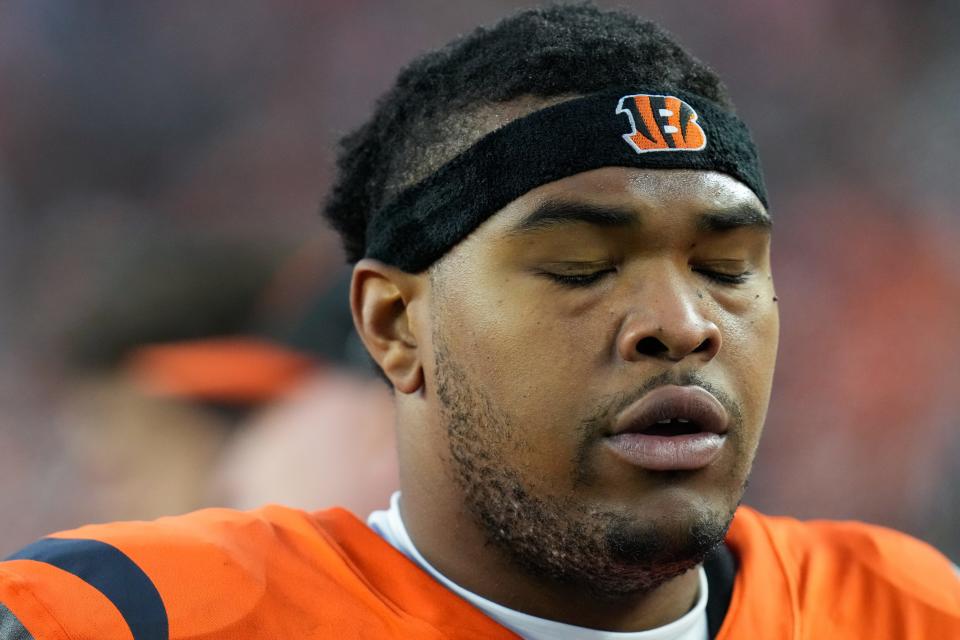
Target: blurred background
(173, 328)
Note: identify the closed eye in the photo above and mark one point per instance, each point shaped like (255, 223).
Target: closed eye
(575, 280)
(725, 278)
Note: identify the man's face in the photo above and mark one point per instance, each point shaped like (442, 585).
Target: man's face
(550, 323)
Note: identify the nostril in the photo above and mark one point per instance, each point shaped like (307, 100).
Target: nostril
(651, 347)
(704, 346)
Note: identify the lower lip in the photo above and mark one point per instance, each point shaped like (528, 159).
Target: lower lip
(667, 453)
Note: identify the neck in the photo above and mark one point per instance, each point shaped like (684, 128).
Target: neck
(461, 552)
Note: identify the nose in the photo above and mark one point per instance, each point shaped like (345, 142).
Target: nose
(669, 324)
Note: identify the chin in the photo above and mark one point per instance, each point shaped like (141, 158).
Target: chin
(645, 549)
(673, 497)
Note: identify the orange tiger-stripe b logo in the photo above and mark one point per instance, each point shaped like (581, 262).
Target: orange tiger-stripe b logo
(661, 123)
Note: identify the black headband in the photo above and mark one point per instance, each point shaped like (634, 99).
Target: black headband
(651, 130)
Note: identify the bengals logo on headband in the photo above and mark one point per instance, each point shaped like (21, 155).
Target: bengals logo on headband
(661, 123)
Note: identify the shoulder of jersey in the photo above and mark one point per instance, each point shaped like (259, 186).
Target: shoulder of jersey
(105, 578)
(194, 542)
(846, 557)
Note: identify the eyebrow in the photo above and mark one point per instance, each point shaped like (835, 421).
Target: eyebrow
(555, 213)
(739, 217)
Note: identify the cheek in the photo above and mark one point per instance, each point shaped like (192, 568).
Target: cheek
(534, 358)
(749, 356)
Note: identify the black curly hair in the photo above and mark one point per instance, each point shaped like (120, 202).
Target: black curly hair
(445, 100)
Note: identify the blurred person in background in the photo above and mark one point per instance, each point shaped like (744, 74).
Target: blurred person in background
(635, 546)
(210, 375)
(161, 373)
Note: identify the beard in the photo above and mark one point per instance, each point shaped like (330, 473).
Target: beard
(554, 538)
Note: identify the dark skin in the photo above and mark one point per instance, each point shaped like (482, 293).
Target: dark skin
(572, 298)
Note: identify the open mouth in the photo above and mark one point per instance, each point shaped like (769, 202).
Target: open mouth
(672, 427)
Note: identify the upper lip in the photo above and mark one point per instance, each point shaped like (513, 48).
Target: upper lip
(690, 403)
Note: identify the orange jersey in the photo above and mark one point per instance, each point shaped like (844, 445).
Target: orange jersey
(283, 573)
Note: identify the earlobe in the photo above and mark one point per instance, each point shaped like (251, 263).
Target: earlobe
(380, 298)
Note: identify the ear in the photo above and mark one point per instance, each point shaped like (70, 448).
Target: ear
(380, 300)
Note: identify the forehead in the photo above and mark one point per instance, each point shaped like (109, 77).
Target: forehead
(650, 194)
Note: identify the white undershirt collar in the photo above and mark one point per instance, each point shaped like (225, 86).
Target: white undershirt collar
(691, 626)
